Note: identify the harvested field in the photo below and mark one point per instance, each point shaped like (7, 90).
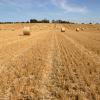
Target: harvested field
(49, 64)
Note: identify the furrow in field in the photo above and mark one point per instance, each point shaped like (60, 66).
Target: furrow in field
(73, 75)
(49, 66)
(87, 66)
(45, 86)
(91, 54)
(87, 39)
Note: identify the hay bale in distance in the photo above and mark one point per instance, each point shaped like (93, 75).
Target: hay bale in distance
(26, 31)
(62, 29)
(77, 29)
(98, 28)
(82, 29)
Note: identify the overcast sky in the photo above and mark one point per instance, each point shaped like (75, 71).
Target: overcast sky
(21, 10)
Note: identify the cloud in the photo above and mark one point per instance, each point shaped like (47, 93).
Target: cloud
(64, 5)
(69, 7)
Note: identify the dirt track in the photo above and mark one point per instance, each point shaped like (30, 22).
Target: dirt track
(50, 65)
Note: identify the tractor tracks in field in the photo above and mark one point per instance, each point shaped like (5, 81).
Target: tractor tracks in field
(45, 82)
(61, 70)
(87, 65)
(85, 51)
(55, 68)
(71, 72)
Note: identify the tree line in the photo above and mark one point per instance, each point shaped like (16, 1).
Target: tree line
(39, 21)
(42, 21)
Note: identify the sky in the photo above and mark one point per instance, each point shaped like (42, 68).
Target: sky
(22, 10)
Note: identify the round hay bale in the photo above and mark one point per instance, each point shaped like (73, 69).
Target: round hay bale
(62, 29)
(98, 28)
(77, 29)
(26, 31)
(82, 29)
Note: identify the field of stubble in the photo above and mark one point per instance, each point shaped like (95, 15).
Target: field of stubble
(50, 64)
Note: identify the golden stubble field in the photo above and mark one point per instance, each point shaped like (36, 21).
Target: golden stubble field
(50, 64)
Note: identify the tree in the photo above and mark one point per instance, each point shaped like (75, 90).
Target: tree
(33, 21)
